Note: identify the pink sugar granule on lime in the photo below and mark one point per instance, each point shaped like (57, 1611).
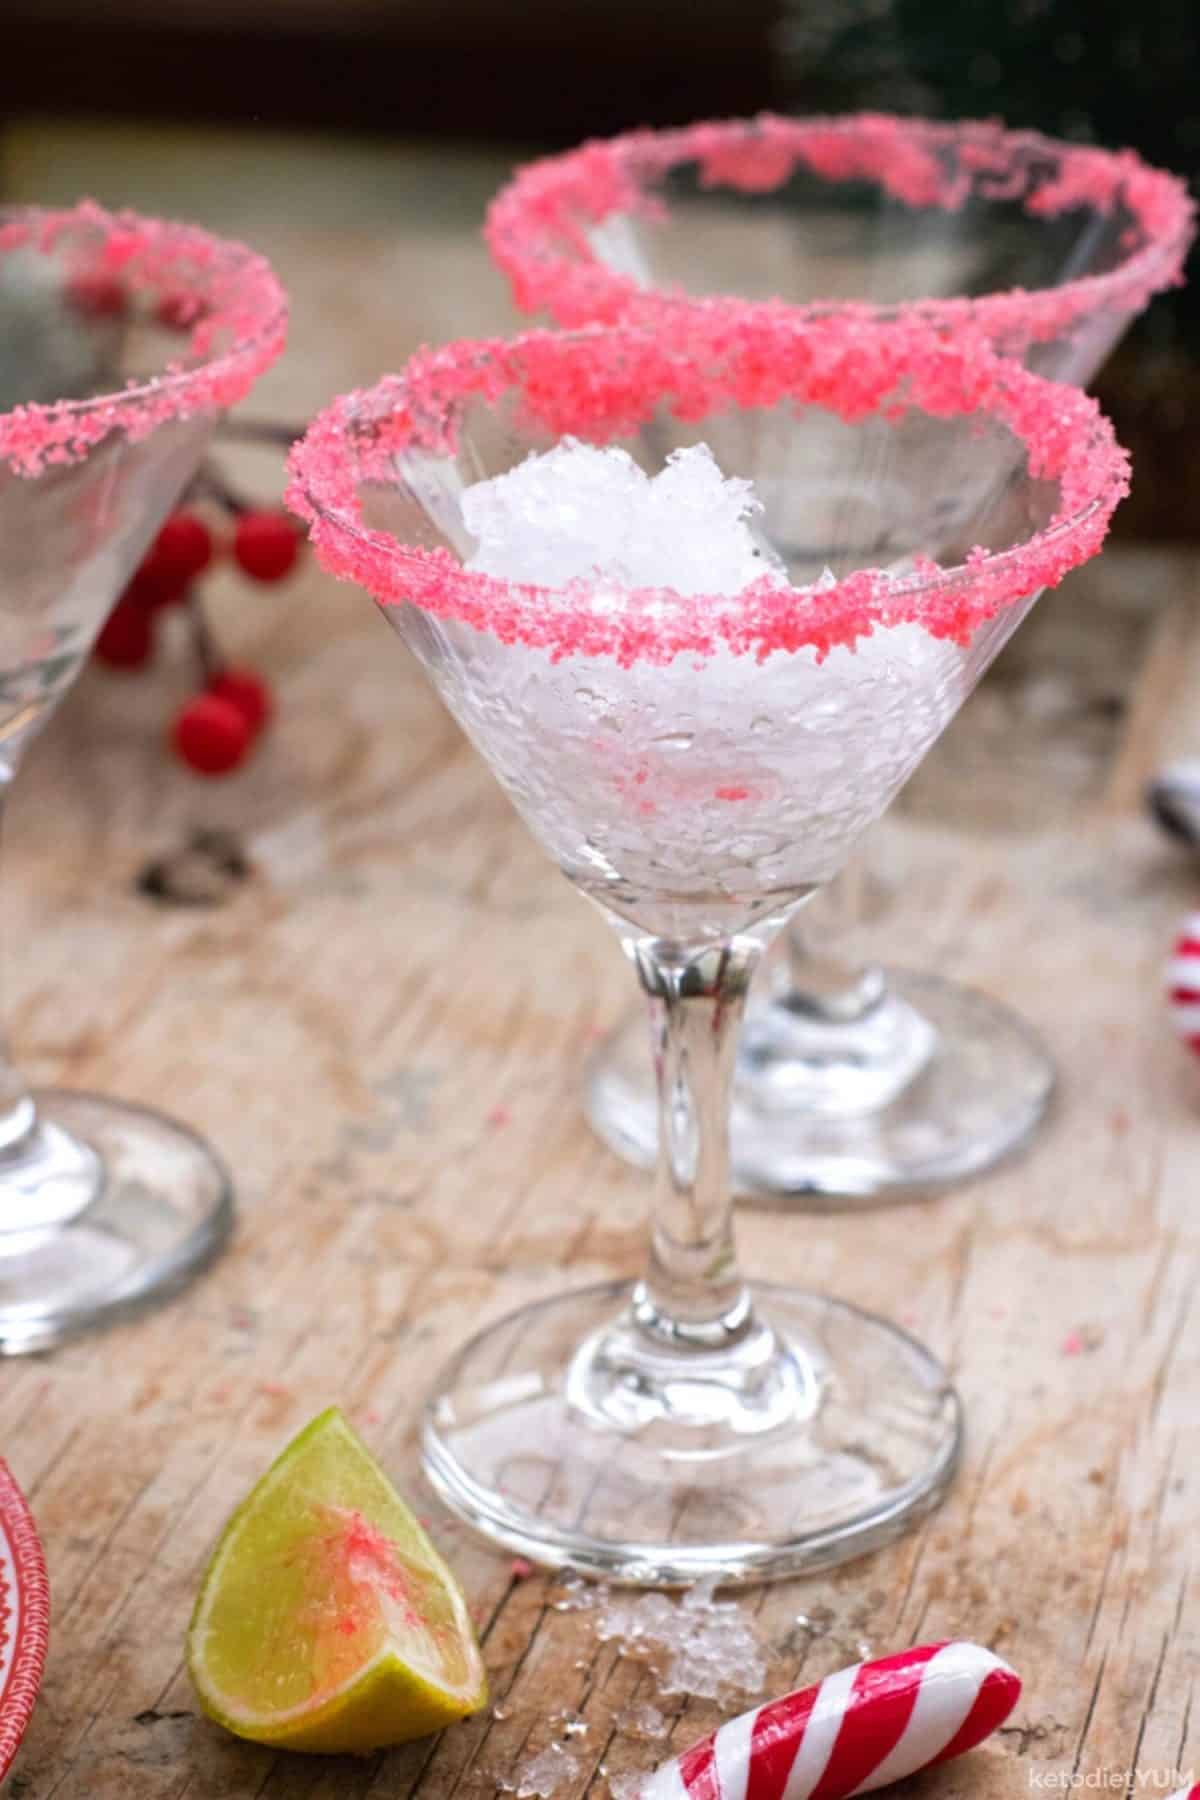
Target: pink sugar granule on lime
(370, 1559)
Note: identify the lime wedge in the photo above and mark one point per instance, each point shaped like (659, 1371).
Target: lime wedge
(326, 1620)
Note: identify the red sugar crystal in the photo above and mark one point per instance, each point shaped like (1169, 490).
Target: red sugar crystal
(536, 226)
(237, 326)
(709, 358)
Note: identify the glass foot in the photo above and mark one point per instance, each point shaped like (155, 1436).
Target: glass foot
(977, 1089)
(109, 1206)
(824, 1435)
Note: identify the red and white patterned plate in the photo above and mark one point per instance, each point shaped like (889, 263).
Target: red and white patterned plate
(24, 1616)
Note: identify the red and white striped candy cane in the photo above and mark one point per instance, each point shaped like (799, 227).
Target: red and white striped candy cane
(1183, 982)
(854, 1731)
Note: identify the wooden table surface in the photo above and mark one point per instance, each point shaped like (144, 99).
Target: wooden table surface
(383, 1031)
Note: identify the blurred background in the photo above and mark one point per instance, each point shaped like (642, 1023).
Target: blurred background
(359, 140)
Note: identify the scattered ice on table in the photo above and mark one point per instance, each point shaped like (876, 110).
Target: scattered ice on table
(710, 1646)
(643, 1720)
(568, 1723)
(625, 1786)
(701, 1596)
(574, 1594)
(581, 511)
(542, 1775)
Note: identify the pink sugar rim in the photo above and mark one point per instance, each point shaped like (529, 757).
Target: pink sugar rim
(19, 1693)
(236, 297)
(605, 380)
(534, 232)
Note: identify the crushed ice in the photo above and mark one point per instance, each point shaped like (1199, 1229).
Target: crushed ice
(708, 1647)
(643, 1720)
(625, 1786)
(542, 1775)
(574, 1594)
(579, 511)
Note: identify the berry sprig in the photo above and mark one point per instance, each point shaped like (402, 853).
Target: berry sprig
(215, 730)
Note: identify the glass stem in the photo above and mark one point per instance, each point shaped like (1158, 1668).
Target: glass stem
(18, 1116)
(693, 1295)
(816, 982)
(823, 987)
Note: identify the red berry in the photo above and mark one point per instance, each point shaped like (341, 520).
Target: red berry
(178, 310)
(210, 735)
(150, 589)
(182, 548)
(126, 640)
(266, 544)
(248, 692)
(97, 295)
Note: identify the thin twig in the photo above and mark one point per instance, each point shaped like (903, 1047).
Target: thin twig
(204, 643)
(259, 431)
(209, 480)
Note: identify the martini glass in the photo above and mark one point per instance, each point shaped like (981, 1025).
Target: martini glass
(698, 765)
(121, 342)
(853, 1081)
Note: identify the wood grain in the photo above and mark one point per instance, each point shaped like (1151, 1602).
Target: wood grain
(383, 1031)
